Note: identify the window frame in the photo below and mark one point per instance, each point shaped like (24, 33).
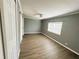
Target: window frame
(56, 27)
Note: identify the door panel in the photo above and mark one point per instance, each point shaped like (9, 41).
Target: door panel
(9, 27)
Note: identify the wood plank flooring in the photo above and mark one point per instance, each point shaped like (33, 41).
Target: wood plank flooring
(38, 46)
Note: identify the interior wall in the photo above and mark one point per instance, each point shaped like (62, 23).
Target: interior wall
(32, 26)
(70, 31)
(0, 4)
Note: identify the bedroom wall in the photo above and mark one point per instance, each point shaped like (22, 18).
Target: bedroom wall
(32, 26)
(69, 33)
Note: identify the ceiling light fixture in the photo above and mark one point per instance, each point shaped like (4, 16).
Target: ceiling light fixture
(39, 14)
(36, 13)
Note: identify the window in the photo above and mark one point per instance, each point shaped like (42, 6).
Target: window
(55, 27)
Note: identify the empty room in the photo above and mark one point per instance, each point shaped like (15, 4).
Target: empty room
(39, 29)
(51, 29)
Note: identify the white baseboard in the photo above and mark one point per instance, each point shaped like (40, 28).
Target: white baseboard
(18, 53)
(61, 44)
(32, 33)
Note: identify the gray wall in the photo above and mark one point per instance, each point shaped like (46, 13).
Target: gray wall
(32, 26)
(70, 30)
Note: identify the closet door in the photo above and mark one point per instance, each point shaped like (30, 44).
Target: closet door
(9, 29)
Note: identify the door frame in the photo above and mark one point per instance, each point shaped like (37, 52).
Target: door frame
(2, 52)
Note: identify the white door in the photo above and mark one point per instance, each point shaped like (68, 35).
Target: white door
(1, 46)
(9, 29)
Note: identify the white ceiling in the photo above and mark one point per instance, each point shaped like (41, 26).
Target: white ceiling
(49, 8)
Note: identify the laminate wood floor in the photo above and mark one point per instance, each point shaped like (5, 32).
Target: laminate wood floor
(38, 46)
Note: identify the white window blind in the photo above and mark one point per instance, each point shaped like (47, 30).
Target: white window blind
(55, 27)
